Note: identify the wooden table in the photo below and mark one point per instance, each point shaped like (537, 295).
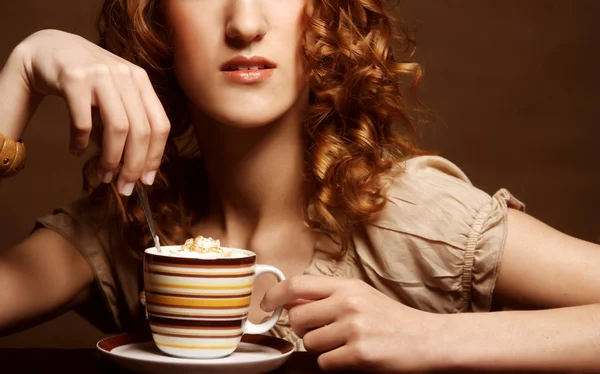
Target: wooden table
(90, 361)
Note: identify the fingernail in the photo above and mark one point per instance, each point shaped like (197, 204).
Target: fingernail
(107, 178)
(263, 305)
(127, 189)
(149, 177)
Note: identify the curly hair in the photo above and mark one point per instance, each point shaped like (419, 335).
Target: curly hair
(357, 125)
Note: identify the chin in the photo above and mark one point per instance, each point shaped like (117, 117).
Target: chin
(246, 120)
(250, 113)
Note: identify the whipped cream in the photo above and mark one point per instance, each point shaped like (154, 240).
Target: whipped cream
(201, 247)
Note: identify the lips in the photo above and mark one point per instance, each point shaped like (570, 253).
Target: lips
(248, 70)
(242, 63)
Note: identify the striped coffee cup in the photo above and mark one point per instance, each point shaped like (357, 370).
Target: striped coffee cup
(198, 307)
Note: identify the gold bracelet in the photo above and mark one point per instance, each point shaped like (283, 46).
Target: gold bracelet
(12, 156)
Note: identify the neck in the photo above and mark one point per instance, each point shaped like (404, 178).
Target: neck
(256, 178)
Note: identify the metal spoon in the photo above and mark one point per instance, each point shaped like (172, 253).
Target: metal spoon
(141, 192)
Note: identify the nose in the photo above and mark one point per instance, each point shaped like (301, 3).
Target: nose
(246, 21)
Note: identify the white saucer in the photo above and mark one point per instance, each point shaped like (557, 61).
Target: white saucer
(255, 354)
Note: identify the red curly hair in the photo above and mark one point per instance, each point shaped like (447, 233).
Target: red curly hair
(357, 124)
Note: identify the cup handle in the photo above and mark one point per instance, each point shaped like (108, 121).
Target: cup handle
(261, 328)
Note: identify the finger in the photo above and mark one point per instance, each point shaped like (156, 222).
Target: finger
(310, 287)
(138, 137)
(342, 358)
(313, 315)
(326, 338)
(296, 302)
(159, 125)
(115, 121)
(79, 104)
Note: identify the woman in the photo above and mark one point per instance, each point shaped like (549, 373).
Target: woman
(300, 148)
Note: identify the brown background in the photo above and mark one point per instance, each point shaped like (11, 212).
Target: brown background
(514, 85)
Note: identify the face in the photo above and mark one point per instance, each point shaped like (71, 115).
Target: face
(239, 61)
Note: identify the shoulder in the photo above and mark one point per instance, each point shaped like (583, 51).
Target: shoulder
(432, 180)
(80, 220)
(431, 197)
(437, 241)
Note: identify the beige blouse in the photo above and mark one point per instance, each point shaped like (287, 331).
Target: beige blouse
(435, 246)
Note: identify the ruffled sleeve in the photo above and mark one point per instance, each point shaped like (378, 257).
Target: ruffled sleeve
(438, 242)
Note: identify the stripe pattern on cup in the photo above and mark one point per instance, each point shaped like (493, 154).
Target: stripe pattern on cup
(198, 305)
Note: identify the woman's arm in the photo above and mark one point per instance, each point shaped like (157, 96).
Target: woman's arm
(353, 326)
(41, 278)
(565, 339)
(541, 268)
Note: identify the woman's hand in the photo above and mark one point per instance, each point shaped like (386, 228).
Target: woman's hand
(86, 76)
(353, 326)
